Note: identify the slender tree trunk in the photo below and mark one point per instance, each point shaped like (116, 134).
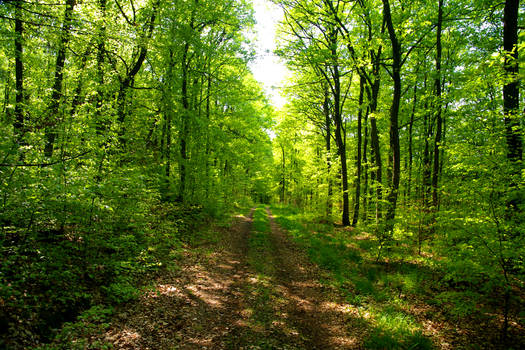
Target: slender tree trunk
(358, 160)
(328, 136)
(377, 178)
(184, 132)
(373, 95)
(77, 97)
(437, 87)
(283, 187)
(410, 143)
(101, 51)
(365, 172)
(129, 79)
(208, 116)
(339, 129)
(19, 74)
(56, 94)
(511, 90)
(426, 180)
(394, 114)
(511, 103)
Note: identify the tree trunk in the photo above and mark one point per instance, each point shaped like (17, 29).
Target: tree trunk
(377, 177)
(410, 143)
(358, 160)
(394, 114)
(328, 136)
(365, 172)
(511, 105)
(437, 87)
(101, 51)
(56, 93)
(511, 90)
(19, 74)
(339, 130)
(129, 79)
(283, 183)
(184, 123)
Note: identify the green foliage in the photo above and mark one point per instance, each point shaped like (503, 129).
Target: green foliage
(74, 335)
(71, 271)
(121, 291)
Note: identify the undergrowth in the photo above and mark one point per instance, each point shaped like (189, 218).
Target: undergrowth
(50, 278)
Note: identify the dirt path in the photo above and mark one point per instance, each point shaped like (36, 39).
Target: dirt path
(236, 297)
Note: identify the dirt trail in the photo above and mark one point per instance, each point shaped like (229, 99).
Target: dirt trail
(220, 300)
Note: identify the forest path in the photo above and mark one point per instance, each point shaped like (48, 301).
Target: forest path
(249, 290)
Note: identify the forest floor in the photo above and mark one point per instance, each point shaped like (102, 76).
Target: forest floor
(251, 289)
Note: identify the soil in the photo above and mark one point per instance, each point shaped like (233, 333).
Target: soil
(220, 300)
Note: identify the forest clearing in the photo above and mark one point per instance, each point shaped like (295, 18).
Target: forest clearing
(266, 174)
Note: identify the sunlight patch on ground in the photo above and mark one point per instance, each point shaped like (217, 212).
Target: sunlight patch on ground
(126, 338)
(166, 290)
(206, 297)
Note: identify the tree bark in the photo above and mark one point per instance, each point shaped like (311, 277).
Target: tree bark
(437, 87)
(184, 133)
(129, 79)
(339, 129)
(511, 89)
(358, 160)
(56, 94)
(365, 170)
(19, 75)
(101, 51)
(410, 143)
(328, 136)
(394, 115)
(377, 175)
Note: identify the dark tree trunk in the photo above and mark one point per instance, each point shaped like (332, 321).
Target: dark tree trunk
(283, 181)
(77, 98)
(208, 116)
(437, 87)
(184, 132)
(358, 160)
(339, 130)
(427, 161)
(101, 51)
(394, 114)
(56, 94)
(19, 74)
(365, 170)
(129, 79)
(511, 90)
(410, 143)
(377, 175)
(328, 136)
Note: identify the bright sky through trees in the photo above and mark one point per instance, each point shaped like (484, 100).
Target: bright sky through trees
(267, 68)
